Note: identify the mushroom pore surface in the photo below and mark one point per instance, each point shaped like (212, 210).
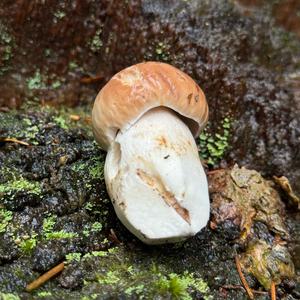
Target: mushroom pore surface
(155, 179)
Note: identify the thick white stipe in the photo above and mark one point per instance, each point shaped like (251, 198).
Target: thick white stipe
(156, 181)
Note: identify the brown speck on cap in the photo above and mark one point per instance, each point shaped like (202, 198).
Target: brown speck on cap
(190, 98)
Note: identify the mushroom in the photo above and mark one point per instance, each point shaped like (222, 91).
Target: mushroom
(145, 117)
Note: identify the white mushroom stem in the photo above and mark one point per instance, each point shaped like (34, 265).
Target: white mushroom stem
(155, 179)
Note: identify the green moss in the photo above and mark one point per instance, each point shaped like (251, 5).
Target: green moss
(8, 296)
(86, 230)
(94, 166)
(28, 245)
(97, 169)
(111, 277)
(91, 297)
(48, 224)
(43, 294)
(5, 217)
(214, 146)
(137, 289)
(96, 254)
(113, 250)
(47, 52)
(96, 42)
(6, 46)
(42, 81)
(49, 233)
(177, 285)
(31, 133)
(162, 51)
(22, 130)
(62, 234)
(61, 122)
(79, 166)
(97, 226)
(56, 84)
(36, 81)
(117, 273)
(73, 65)
(59, 14)
(89, 206)
(20, 185)
(75, 256)
(62, 118)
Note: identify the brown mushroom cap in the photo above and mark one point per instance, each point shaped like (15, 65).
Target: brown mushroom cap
(137, 89)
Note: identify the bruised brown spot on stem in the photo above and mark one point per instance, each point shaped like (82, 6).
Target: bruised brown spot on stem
(167, 196)
(162, 141)
(146, 178)
(179, 147)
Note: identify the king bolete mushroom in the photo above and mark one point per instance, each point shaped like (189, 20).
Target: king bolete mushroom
(145, 117)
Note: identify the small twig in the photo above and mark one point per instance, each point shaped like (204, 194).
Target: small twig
(13, 140)
(75, 117)
(91, 79)
(243, 279)
(45, 277)
(213, 171)
(273, 291)
(213, 225)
